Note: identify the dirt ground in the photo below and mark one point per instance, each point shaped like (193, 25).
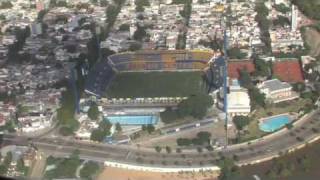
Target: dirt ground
(313, 39)
(110, 173)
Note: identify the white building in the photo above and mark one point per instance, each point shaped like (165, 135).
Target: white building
(277, 91)
(294, 18)
(238, 100)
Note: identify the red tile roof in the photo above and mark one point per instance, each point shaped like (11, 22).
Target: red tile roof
(234, 67)
(288, 71)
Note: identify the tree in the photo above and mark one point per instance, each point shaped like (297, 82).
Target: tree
(282, 8)
(66, 167)
(140, 33)
(262, 67)
(168, 149)
(241, 121)
(281, 21)
(305, 163)
(204, 136)
(103, 3)
(7, 160)
(245, 79)
(93, 50)
(263, 23)
(184, 142)
(143, 127)
(228, 169)
(101, 132)
(209, 148)
(89, 169)
(309, 8)
(97, 135)
(62, 3)
(235, 53)
(199, 149)
(150, 128)
(299, 87)
(65, 114)
(124, 27)
(118, 127)
(169, 115)
(66, 131)
(93, 112)
(142, 2)
(195, 106)
(6, 5)
(41, 15)
(256, 97)
(158, 149)
(140, 5)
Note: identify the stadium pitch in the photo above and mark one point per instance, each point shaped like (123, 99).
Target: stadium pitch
(156, 84)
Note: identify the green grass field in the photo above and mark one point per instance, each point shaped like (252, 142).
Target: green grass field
(156, 84)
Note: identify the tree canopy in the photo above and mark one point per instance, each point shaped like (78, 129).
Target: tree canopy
(65, 114)
(195, 106)
(241, 121)
(235, 53)
(228, 169)
(66, 167)
(101, 132)
(140, 33)
(89, 169)
(263, 68)
(308, 7)
(93, 112)
(256, 97)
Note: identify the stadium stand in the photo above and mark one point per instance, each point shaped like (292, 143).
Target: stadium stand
(160, 60)
(215, 74)
(103, 72)
(99, 78)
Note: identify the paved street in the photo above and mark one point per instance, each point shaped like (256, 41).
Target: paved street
(246, 153)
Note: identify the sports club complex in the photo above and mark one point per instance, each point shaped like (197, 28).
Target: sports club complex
(134, 72)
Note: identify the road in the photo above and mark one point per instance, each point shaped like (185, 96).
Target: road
(302, 131)
(189, 126)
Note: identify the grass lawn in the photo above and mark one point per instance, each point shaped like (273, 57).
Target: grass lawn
(280, 108)
(253, 130)
(156, 84)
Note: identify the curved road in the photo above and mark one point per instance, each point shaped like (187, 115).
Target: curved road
(303, 130)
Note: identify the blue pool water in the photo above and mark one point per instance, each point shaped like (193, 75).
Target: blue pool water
(133, 119)
(274, 123)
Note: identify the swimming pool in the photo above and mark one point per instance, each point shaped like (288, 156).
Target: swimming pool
(274, 123)
(133, 119)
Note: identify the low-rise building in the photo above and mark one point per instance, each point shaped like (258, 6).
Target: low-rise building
(238, 100)
(277, 91)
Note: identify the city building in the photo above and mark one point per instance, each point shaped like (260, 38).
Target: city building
(238, 100)
(277, 91)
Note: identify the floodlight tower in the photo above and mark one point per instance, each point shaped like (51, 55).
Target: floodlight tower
(72, 80)
(225, 82)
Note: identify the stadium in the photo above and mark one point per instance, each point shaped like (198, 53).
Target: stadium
(158, 73)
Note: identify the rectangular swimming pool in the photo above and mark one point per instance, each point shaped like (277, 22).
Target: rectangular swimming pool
(274, 123)
(133, 119)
